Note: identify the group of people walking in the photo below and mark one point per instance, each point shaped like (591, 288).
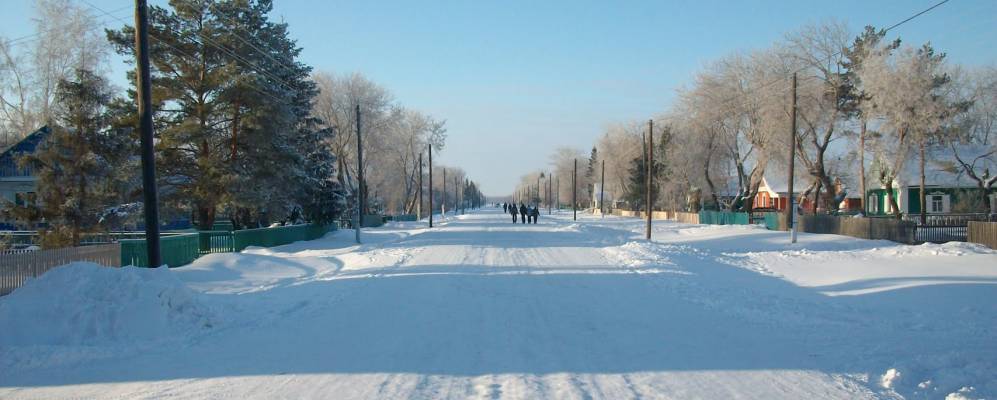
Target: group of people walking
(527, 214)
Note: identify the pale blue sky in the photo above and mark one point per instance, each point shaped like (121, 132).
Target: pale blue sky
(516, 79)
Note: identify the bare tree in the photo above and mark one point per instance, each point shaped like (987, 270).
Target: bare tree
(67, 38)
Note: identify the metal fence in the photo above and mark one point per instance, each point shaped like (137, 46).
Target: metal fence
(179, 250)
(16, 268)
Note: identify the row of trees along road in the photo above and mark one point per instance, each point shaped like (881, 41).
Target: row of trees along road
(243, 127)
(868, 105)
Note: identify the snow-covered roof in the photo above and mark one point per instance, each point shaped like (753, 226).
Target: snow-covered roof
(943, 169)
(8, 159)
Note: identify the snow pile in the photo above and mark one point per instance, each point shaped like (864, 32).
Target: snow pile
(890, 378)
(87, 304)
(962, 394)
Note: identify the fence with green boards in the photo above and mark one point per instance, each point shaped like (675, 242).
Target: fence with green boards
(724, 218)
(182, 249)
(176, 250)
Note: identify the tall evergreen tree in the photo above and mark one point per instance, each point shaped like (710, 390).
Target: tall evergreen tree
(76, 163)
(233, 114)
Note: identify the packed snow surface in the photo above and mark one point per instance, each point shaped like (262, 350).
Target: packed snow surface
(480, 308)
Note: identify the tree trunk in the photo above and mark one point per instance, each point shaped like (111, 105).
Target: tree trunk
(862, 187)
(817, 195)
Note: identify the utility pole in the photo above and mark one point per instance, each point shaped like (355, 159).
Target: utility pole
(648, 180)
(443, 204)
(791, 201)
(144, 86)
(602, 189)
(430, 185)
(418, 208)
(574, 192)
(360, 186)
(557, 193)
(548, 193)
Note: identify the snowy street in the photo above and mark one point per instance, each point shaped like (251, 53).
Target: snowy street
(480, 308)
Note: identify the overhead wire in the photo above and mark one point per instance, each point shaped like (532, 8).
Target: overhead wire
(181, 52)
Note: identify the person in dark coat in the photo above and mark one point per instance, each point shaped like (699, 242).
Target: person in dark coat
(522, 211)
(512, 210)
(536, 213)
(505, 207)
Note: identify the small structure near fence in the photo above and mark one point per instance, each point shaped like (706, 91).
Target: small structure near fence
(16, 268)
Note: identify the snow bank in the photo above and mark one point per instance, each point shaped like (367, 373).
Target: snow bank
(87, 304)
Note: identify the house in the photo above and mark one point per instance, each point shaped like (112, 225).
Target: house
(17, 184)
(774, 194)
(948, 188)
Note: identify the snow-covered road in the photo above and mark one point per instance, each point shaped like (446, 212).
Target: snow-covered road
(481, 308)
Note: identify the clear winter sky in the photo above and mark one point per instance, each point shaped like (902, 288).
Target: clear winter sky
(516, 79)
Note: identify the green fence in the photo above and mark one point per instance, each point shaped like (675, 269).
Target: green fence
(404, 217)
(724, 218)
(176, 250)
(182, 249)
(772, 221)
(269, 237)
(215, 242)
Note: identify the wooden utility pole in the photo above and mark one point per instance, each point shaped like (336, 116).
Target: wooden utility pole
(602, 190)
(144, 85)
(790, 206)
(574, 192)
(924, 197)
(547, 194)
(443, 204)
(360, 185)
(648, 179)
(430, 185)
(418, 208)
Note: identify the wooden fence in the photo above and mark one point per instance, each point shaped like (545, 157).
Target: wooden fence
(862, 228)
(984, 233)
(16, 268)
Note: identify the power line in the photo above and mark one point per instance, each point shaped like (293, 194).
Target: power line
(207, 42)
(837, 53)
(181, 52)
(247, 42)
(35, 36)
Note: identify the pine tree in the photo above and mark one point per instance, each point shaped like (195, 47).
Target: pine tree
(234, 125)
(76, 163)
(590, 173)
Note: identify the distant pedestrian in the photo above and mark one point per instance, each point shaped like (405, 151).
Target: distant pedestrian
(522, 211)
(512, 210)
(505, 207)
(536, 213)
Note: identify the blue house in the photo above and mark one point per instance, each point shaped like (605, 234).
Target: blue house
(17, 184)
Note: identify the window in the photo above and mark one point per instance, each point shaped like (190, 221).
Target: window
(873, 204)
(24, 199)
(936, 203)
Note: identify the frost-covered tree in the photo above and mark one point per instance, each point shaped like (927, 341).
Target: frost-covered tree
(67, 38)
(821, 102)
(905, 93)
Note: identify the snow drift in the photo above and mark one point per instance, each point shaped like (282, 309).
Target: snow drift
(87, 304)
